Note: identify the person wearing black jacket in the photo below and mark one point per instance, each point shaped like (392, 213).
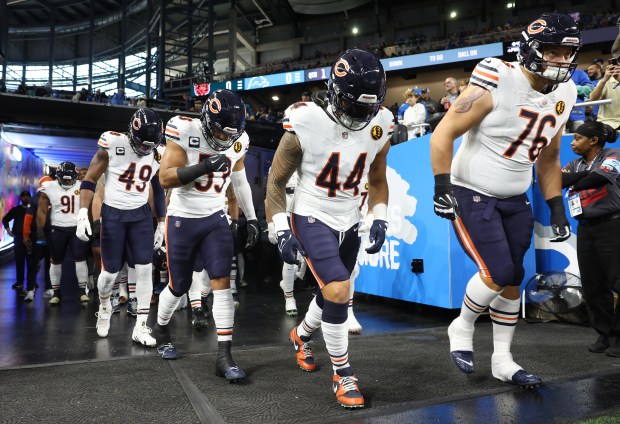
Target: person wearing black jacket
(594, 200)
(16, 215)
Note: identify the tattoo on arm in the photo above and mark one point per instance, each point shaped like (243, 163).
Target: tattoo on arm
(464, 103)
(286, 160)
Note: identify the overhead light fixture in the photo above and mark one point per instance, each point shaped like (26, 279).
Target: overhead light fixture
(275, 98)
(15, 154)
(354, 30)
(453, 14)
(510, 5)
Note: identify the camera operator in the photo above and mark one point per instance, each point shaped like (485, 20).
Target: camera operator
(609, 88)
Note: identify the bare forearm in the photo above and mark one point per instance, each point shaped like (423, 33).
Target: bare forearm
(286, 160)
(169, 178)
(550, 179)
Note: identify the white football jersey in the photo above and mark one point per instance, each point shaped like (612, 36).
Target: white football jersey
(128, 175)
(496, 156)
(333, 163)
(65, 203)
(290, 197)
(205, 195)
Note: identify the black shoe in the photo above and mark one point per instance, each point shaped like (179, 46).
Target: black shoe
(164, 341)
(225, 366)
(18, 286)
(199, 319)
(601, 344)
(613, 351)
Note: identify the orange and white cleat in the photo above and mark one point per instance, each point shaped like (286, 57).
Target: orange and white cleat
(347, 393)
(303, 350)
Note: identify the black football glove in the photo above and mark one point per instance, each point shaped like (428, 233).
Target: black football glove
(216, 163)
(288, 245)
(444, 201)
(559, 223)
(253, 233)
(377, 235)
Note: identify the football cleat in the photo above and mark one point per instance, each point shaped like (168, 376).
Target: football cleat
(290, 306)
(345, 387)
(461, 350)
(29, 296)
(225, 365)
(354, 326)
(167, 351)
(48, 294)
(506, 370)
(132, 307)
(525, 380)
(116, 303)
(142, 335)
(199, 319)
(103, 320)
(303, 351)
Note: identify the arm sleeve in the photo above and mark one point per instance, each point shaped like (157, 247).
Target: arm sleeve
(8, 218)
(159, 197)
(570, 178)
(592, 180)
(244, 193)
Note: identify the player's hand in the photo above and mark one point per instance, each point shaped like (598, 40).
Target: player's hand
(159, 235)
(377, 235)
(288, 245)
(444, 202)
(560, 227)
(83, 230)
(559, 223)
(253, 233)
(234, 227)
(216, 163)
(271, 233)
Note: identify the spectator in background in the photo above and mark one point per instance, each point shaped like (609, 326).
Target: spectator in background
(17, 214)
(404, 106)
(463, 85)
(118, 99)
(100, 97)
(415, 114)
(608, 88)
(306, 96)
(452, 92)
(584, 88)
(595, 73)
(21, 89)
(432, 107)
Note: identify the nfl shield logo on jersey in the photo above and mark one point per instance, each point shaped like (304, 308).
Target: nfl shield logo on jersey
(345, 135)
(311, 220)
(177, 224)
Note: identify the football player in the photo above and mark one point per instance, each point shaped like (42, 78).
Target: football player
(130, 163)
(512, 115)
(62, 197)
(203, 156)
(331, 148)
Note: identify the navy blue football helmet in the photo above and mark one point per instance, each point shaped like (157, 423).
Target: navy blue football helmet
(66, 174)
(146, 131)
(550, 30)
(356, 88)
(223, 119)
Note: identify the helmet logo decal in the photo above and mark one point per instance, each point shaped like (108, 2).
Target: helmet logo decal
(135, 123)
(537, 26)
(214, 105)
(376, 132)
(341, 68)
(237, 146)
(559, 107)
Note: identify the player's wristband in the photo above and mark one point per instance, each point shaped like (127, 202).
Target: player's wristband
(380, 211)
(88, 185)
(442, 184)
(280, 222)
(190, 173)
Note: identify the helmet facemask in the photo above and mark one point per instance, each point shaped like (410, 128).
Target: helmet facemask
(532, 58)
(353, 114)
(225, 138)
